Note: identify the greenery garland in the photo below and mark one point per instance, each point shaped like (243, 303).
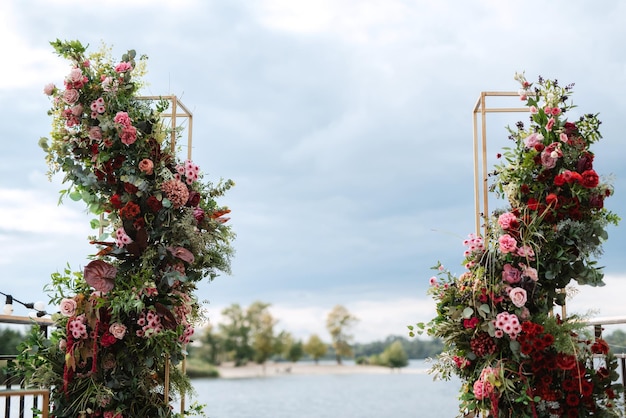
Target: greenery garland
(132, 309)
(514, 355)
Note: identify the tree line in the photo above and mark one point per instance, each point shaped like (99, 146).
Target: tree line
(251, 334)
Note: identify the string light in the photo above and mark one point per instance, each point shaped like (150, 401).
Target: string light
(38, 307)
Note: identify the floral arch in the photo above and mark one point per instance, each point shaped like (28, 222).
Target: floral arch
(128, 315)
(517, 357)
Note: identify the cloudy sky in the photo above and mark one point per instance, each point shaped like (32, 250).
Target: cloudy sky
(346, 125)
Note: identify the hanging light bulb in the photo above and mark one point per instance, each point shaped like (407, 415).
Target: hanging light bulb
(8, 305)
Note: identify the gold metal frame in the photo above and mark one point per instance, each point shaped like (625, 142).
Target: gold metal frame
(178, 110)
(480, 159)
(480, 175)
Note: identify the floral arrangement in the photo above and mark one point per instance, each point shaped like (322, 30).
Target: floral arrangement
(132, 309)
(514, 355)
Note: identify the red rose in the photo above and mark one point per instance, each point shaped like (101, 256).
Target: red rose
(560, 180)
(596, 201)
(552, 200)
(590, 179)
(130, 211)
(194, 199)
(107, 339)
(130, 188)
(154, 204)
(565, 361)
(600, 347)
(585, 162)
(116, 201)
(570, 128)
(533, 204)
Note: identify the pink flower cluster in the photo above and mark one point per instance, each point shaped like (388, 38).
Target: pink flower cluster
(189, 170)
(176, 192)
(150, 324)
(121, 238)
(97, 107)
(77, 327)
(507, 323)
(475, 245)
(128, 133)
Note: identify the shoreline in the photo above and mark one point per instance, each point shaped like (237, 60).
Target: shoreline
(229, 371)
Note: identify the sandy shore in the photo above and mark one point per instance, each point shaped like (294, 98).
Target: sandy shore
(229, 371)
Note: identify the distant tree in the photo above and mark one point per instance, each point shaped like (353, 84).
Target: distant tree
(212, 346)
(263, 335)
(315, 348)
(248, 335)
(236, 333)
(294, 351)
(281, 342)
(338, 323)
(9, 340)
(617, 341)
(395, 355)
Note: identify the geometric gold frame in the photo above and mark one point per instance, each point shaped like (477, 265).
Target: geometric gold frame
(481, 186)
(178, 110)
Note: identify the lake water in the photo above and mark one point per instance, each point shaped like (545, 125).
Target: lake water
(393, 395)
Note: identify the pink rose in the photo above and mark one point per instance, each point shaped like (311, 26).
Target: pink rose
(122, 118)
(529, 272)
(563, 137)
(129, 135)
(68, 307)
(49, 89)
(117, 330)
(70, 96)
(518, 296)
(526, 251)
(75, 76)
(77, 110)
(482, 389)
(510, 274)
(146, 165)
(533, 139)
(507, 243)
(95, 133)
(534, 110)
(550, 124)
(122, 67)
(508, 221)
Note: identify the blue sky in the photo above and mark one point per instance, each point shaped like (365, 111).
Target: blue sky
(346, 126)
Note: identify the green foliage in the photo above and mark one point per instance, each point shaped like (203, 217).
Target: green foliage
(393, 356)
(315, 347)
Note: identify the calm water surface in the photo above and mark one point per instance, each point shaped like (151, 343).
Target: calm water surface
(395, 395)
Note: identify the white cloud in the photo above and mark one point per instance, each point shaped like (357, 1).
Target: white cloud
(24, 66)
(30, 211)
